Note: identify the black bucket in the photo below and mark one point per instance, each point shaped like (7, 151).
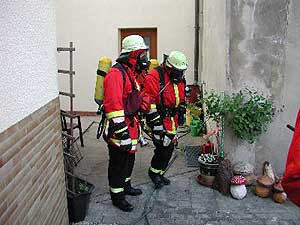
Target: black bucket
(78, 203)
(209, 169)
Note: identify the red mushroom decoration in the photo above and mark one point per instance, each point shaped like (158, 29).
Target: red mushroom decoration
(238, 187)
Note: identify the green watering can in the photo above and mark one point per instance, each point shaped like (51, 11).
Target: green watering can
(196, 127)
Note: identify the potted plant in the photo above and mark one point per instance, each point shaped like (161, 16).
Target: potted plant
(78, 196)
(217, 107)
(247, 112)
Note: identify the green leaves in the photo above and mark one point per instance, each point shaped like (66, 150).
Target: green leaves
(82, 188)
(247, 112)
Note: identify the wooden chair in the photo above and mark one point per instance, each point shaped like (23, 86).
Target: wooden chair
(66, 126)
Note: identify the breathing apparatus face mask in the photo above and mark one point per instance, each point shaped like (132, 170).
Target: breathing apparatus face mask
(142, 62)
(176, 75)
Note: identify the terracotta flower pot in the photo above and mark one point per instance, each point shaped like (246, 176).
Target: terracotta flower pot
(263, 186)
(262, 191)
(206, 180)
(279, 197)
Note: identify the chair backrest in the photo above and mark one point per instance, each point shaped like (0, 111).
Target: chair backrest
(63, 120)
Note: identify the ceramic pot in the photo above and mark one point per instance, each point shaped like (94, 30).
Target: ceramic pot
(279, 197)
(262, 191)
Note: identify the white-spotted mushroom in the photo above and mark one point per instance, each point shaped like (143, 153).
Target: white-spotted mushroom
(238, 187)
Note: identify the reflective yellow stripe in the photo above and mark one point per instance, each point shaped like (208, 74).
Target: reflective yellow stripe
(134, 141)
(121, 130)
(127, 179)
(155, 170)
(156, 118)
(115, 114)
(140, 131)
(116, 141)
(176, 94)
(153, 106)
(173, 131)
(162, 172)
(116, 190)
(137, 86)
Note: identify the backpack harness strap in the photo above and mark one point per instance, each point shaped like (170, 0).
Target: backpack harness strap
(120, 67)
(164, 111)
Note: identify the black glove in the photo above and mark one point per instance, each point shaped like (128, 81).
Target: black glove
(120, 131)
(168, 138)
(157, 133)
(154, 122)
(153, 119)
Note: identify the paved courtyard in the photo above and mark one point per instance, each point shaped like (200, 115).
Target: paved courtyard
(182, 202)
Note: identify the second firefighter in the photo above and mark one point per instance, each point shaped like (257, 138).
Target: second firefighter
(163, 102)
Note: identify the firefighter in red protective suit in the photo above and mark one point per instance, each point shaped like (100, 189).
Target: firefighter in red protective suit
(121, 102)
(163, 102)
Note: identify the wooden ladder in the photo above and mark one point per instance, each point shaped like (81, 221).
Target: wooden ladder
(72, 153)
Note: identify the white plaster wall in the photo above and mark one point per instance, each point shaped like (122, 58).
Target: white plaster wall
(214, 45)
(28, 77)
(94, 26)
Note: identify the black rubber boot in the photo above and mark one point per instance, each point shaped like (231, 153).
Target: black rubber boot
(158, 183)
(129, 190)
(165, 180)
(118, 200)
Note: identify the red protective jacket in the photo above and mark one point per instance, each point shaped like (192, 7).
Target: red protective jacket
(173, 96)
(140, 78)
(115, 91)
(291, 177)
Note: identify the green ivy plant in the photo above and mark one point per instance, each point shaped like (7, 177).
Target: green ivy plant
(251, 116)
(217, 105)
(247, 112)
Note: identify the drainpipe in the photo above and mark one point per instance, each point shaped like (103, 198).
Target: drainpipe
(200, 44)
(196, 46)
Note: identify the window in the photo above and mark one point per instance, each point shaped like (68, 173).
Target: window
(149, 35)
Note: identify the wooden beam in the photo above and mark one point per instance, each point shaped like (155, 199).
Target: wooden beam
(66, 72)
(67, 94)
(60, 49)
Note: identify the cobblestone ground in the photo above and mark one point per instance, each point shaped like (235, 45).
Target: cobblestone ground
(185, 202)
(182, 202)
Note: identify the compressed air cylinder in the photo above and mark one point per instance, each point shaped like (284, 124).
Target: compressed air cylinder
(153, 63)
(103, 66)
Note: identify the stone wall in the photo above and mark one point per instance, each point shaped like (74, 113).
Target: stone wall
(258, 33)
(32, 185)
(259, 50)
